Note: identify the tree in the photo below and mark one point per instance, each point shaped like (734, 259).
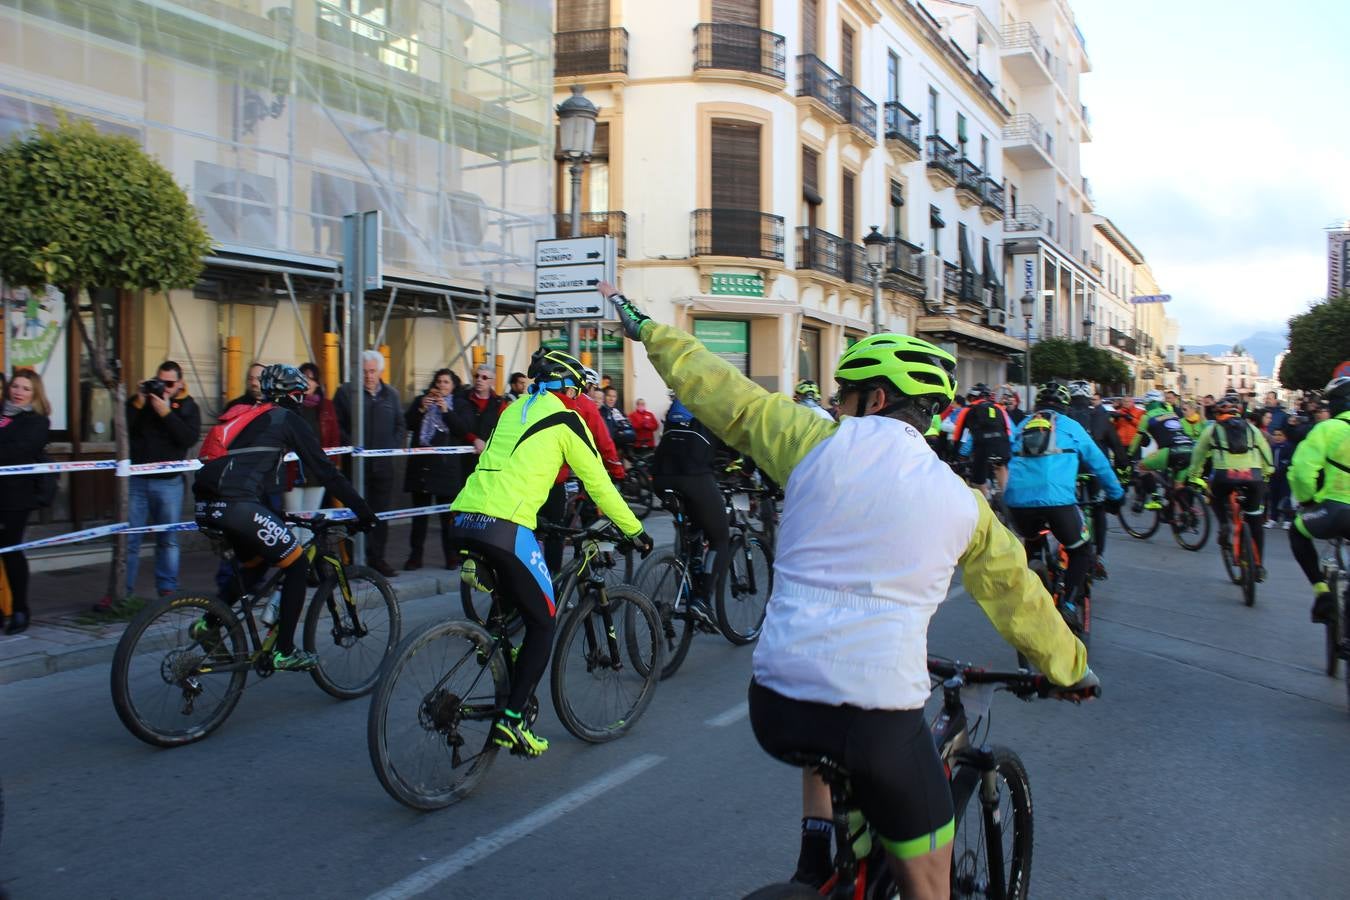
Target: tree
(84, 210)
(1054, 358)
(1319, 341)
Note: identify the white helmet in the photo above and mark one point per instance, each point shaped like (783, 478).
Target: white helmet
(590, 376)
(1080, 389)
(1153, 396)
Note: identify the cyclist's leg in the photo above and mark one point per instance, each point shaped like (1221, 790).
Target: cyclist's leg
(707, 510)
(552, 511)
(1067, 525)
(262, 538)
(1218, 493)
(1254, 510)
(979, 469)
(1328, 519)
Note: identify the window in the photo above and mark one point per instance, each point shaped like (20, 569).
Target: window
(933, 125)
(736, 12)
(935, 230)
(1012, 198)
(892, 76)
(811, 185)
(984, 153)
(582, 15)
(808, 355)
(897, 210)
(594, 177)
(735, 189)
(961, 132)
(810, 26)
(846, 53)
(848, 227)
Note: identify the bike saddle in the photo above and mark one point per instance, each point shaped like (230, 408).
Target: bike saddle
(828, 767)
(671, 501)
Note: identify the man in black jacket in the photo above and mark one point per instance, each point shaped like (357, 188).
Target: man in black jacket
(1096, 421)
(383, 430)
(164, 423)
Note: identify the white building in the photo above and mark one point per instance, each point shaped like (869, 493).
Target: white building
(1113, 259)
(1338, 258)
(743, 167)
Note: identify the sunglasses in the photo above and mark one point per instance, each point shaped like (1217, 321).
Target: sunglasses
(482, 378)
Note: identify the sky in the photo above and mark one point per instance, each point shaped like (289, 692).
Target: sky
(1221, 148)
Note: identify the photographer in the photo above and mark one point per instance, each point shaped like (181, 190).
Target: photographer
(164, 424)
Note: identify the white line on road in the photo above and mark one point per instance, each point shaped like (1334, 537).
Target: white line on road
(730, 717)
(487, 845)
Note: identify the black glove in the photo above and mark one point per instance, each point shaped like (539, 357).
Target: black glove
(1112, 504)
(366, 520)
(630, 317)
(643, 543)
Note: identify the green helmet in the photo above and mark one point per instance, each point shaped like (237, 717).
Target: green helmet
(807, 388)
(1052, 393)
(917, 368)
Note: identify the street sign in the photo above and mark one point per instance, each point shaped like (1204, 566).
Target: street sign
(566, 273)
(1152, 298)
(1342, 370)
(373, 263)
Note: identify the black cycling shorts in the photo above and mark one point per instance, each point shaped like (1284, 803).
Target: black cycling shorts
(985, 458)
(889, 754)
(253, 530)
(1326, 521)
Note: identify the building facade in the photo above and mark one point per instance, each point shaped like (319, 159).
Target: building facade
(1338, 259)
(742, 169)
(1113, 259)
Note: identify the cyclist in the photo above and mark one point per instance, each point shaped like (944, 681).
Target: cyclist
(1048, 450)
(230, 495)
(1161, 428)
(990, 436)
(1242, 462)
(841, 665)
(1324, 509)
(1096, 421)
(685, 463)
(807, 394)
(495, 517)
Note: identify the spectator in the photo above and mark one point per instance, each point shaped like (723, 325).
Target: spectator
(302, 493)
(1278, 508)
(383, 430)
(164, 423)
(23, 435)
(1279, 416)
(645, 426)
(620, 429)
(1207, 406)
(481, 414)
(1012, 403)
(253, 393)
(435, 419)
(1126, 419)
(518, 384)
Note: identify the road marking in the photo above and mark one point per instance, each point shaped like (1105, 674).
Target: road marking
(485, 846)
(730, 717)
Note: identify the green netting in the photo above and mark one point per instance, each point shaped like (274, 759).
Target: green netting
(280, 116)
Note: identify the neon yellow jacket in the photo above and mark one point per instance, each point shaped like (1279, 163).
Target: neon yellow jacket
(1212, 443)
(780, 435)
(1325, 452)
(517, 469)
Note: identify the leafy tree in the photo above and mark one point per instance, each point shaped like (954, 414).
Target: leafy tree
(84, 210)
(1319, 341)
(1054, 358)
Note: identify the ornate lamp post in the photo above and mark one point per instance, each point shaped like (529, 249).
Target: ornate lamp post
(576, 141)
(876, 244)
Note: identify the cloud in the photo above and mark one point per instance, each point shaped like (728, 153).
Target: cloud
(1223, 299)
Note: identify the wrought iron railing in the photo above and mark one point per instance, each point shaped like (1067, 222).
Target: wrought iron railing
(737, 232)
(820, 251)
(1023, 36)
(596, 51)
(819, 81)
(1027, 218)
(942, 155)
(858, 109)
(991, 194)
(1024, 128)
(951, 279)
(597, 224)
(1122, 341)
(744, 48)
(856, 269)
(968, 175)
(904, 258)
(902, 125)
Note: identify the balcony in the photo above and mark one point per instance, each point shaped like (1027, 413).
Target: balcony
(1024, 142)
(737, 232)
(905, 264)
(968, 177)
(1026, 220)
(1089, 202)
(991, 200)
(860, 112)
(951, 280)
(820, 251)
(597, 51)
(1123, 342)
(1028, 60)
(596, 224)
(721, 49)
(942, 160)
(821, 86)
(902, 132)
(856, 269)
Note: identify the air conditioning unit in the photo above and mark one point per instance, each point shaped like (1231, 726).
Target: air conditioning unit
(997, 319)
(988, 295)
(932, 271)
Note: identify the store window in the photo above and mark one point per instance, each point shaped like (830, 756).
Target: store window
(808, 355)
(95, 401)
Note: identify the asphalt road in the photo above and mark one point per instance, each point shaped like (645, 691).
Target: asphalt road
(1213, 767)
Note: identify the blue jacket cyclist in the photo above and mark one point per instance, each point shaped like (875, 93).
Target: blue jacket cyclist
(495, 517)
(873, 528)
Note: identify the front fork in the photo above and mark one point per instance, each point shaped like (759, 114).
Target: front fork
(606, 613)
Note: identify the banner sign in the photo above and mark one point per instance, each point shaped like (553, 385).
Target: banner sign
(1024, 275)
(1152, 298)
(735, 284)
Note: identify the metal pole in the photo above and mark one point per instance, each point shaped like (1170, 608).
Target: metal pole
(876, 299)
(1027, 367)
(357, 394)
(573, 336)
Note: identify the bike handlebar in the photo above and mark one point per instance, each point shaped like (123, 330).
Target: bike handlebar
(1024, 684)
(600, 530)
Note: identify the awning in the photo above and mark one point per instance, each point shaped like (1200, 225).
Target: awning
(959, 331)
(990, 271)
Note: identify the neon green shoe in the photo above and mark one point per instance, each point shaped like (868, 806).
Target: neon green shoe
(1152, 503)
(510, 732)
(1324, 605)
(204, 633)
(296, 661)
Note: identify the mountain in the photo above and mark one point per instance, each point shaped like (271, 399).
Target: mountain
(1263, 346)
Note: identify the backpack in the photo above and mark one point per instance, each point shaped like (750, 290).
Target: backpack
(1036, 446)
(1168, 432)
(219, 438)
(1236, 434)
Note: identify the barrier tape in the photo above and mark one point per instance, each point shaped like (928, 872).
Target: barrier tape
(87, 534)
(125, 468)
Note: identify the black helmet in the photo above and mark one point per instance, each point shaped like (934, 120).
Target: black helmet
(282, 384)
(555, 365)
(978, 391)
(1337, 394)
(1052, 393)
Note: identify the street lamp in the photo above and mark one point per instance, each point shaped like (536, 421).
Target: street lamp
(576, 141)
(1087, 327)
(1028, 311)
(876, 243)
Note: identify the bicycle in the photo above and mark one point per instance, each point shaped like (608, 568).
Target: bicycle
(1333, 571)
(1237, 547)
(160, 669)
(1052, 567)
(743, 598)
(636, 485)
(429, 731)
(990, 788)
(1185, 509)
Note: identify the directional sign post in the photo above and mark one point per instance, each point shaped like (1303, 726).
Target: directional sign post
(567, 271)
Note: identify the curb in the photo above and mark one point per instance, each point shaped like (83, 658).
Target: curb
(80, 656)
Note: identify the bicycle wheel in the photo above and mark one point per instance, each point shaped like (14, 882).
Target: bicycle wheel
(661, 577)
(1248, 564)
(993, 833)
(1335, 627)
(1190, 521)
(744, 593)
(477, 604)
(606, 664)
(430, 727)
(636, 490)
(169, 689)
(363, 634)
(1137, 521)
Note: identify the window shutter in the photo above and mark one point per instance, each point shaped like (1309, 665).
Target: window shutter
(811, 176)
(736, 12)
(810, 26)
(846, 54)
(897, 194)
(848, 230)
(735, 165)
(582, 15)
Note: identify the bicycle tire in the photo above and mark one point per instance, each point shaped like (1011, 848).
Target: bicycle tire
(423, 729)
(1193, 510)
(966, 858)
(1248, 564)
(1230, 562)
(743, 595)
(584, 659)
(636, 490)
(363, 658)
(181, 657)
(1335, 626)
(1139, 524)
(662, 578)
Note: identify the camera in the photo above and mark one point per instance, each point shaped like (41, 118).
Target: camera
(154, 386)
